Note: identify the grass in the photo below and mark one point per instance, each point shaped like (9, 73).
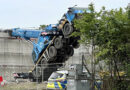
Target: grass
(24, 86)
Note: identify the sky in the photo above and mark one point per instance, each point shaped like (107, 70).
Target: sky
(32, 13)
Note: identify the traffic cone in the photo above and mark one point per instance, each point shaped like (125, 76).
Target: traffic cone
(2, 83)
(1, 79)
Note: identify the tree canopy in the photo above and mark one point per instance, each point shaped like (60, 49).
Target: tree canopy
(42, 26)
(110, 32)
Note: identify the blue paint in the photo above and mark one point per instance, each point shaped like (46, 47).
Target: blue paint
(56, 85)
(43, 41)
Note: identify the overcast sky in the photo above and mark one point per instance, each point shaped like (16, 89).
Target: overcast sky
(32, 13)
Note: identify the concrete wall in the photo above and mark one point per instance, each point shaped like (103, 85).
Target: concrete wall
(15, 56)
(15, 52)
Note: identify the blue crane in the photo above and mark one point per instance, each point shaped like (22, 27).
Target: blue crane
(54, 43)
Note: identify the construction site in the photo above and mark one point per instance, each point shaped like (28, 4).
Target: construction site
(15, 57)
(16, 53)
(86, 49)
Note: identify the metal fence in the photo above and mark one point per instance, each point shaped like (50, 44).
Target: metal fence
(6, 71)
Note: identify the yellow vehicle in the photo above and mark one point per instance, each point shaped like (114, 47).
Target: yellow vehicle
(57, 81)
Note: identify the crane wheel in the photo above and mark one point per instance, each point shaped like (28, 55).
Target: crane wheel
(52, 51)
(67, 29)
(34, 56)
(44, 62)
(76, 45)
(37, 72)
(58, 43)
(70, 51)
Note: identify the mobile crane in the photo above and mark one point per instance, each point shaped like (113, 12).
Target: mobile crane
(54, 44)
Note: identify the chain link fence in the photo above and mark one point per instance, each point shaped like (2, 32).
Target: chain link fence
(40, 75)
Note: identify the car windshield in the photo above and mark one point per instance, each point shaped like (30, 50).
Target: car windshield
(56, 75)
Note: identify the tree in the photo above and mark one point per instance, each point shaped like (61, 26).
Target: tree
(42, 26)
(88, 29)
(110, 32)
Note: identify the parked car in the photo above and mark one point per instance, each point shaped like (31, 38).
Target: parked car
(57, 80)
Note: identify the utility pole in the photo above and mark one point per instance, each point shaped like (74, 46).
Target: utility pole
(93, 58)
(93, 55)
(93, 65)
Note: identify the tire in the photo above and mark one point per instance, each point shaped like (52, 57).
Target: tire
(67, 29)
(70, 51)
(52, 51)
(76, 45)
(65, 88)
(43, 61)
(37, 72)
(34, 56)
(58, 43)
